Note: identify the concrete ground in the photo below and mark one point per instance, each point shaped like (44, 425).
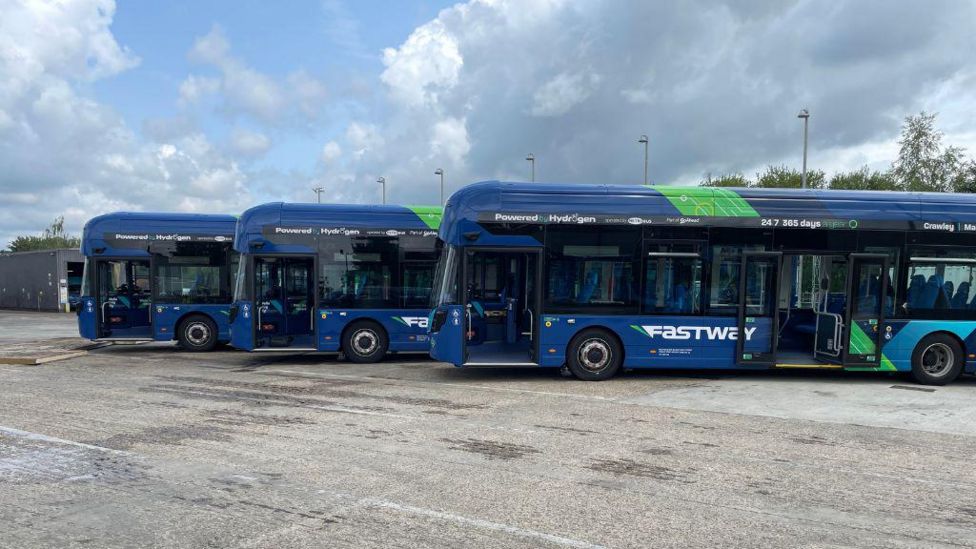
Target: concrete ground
(18, 325)
(149, 446)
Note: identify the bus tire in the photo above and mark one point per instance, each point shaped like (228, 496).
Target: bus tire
(365, 341)
(594, 355)
(197, 333)
(937, 360)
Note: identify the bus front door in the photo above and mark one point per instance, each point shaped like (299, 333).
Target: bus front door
(501, 303)
(284, 291)
(758, 326)
(867, 296)
(123, 301)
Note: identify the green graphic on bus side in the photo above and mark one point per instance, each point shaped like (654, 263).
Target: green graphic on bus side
(707, 201)
(861, 343)
(430, 215)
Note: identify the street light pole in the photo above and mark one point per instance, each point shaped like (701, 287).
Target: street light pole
(805, 115)
(318, 193)
(382, 181)
(440, 172)
(643, 139)
(531, 159)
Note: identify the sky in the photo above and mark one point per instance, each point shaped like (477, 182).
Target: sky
(220, 105)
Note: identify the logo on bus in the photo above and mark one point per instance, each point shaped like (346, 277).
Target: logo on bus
(412, 321)
(711, 333)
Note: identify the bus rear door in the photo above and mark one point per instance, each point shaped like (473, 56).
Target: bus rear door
(122, 307)
(284, 296)
(867, 296)
(758, 325)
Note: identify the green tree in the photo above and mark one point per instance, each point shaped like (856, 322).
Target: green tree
(52, 237)
(864, 180)
(782, 177)
(965, 179)
(728, 180)
(923, 163)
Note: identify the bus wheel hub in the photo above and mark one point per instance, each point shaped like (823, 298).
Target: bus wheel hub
(594, 354)
(937, 359)
(198, 334)
(364, 342)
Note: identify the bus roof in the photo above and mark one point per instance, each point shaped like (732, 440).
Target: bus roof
(497, 201)
(128, 233)
(253, 221)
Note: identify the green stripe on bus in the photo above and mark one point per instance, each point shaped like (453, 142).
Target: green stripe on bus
(861, 343)
(707, 201)
(430, 215)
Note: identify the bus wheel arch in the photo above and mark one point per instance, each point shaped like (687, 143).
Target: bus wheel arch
(595, 353)
(196, 332)
(938, 358)
(364, 341)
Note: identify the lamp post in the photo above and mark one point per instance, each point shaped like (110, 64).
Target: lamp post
(643, 139)
(531, 159)
(440, 172)
(382, 181)
(318, 193)
(805, 115)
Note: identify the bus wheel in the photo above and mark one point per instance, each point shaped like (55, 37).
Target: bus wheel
(197, 333)
(937, 360)
(594, 355)
(365, 341)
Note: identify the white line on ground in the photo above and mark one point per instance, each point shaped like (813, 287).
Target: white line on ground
(480, 523)
(54, 440)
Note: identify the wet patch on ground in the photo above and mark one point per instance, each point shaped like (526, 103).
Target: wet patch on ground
(168, 435)
(256, 398)
(237, 418)
(657, 451)
(629, 467)
(491, 449)
(813, 439)
(325, 388)
(582, 432)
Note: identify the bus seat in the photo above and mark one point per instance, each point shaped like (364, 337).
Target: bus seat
(959, 301)
(276, 303)
(124, 300)
(949, 287)
(915, 290)
(680, 302)
(586, 293)
(930, 293)
(478, 308)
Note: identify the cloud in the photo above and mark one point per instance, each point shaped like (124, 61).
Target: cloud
(249, 143)
(562, 93)
(331, 152)
(245, 91)
(62, 152)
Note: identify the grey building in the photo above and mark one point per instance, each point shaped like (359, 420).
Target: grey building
(45, 280)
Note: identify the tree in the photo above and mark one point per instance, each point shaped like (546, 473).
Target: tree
(864, 180)
(728, 180)
(923, 163)
(782, 177)
(52, 237)
(965, 180)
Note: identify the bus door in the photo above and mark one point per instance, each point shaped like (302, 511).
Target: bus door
(830, 304)
(123, 302)
(867, 295)
(758, 325)
(284, 292)
(502, 301)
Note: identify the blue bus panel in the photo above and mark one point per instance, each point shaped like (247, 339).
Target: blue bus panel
(158, 276)
(598, 278)
(353, 279)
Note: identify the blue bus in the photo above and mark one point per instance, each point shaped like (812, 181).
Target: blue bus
(353, 279)
(158, 276)
(597, 278)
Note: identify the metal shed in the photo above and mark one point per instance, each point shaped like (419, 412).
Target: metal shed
(44, 280)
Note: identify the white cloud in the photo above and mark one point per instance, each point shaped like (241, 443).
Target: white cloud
(247, 91)
(249, 143)
(194, 88)
(449, 141)
(562, 93)
(428, 63)
(75, 155)
(331, 152)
